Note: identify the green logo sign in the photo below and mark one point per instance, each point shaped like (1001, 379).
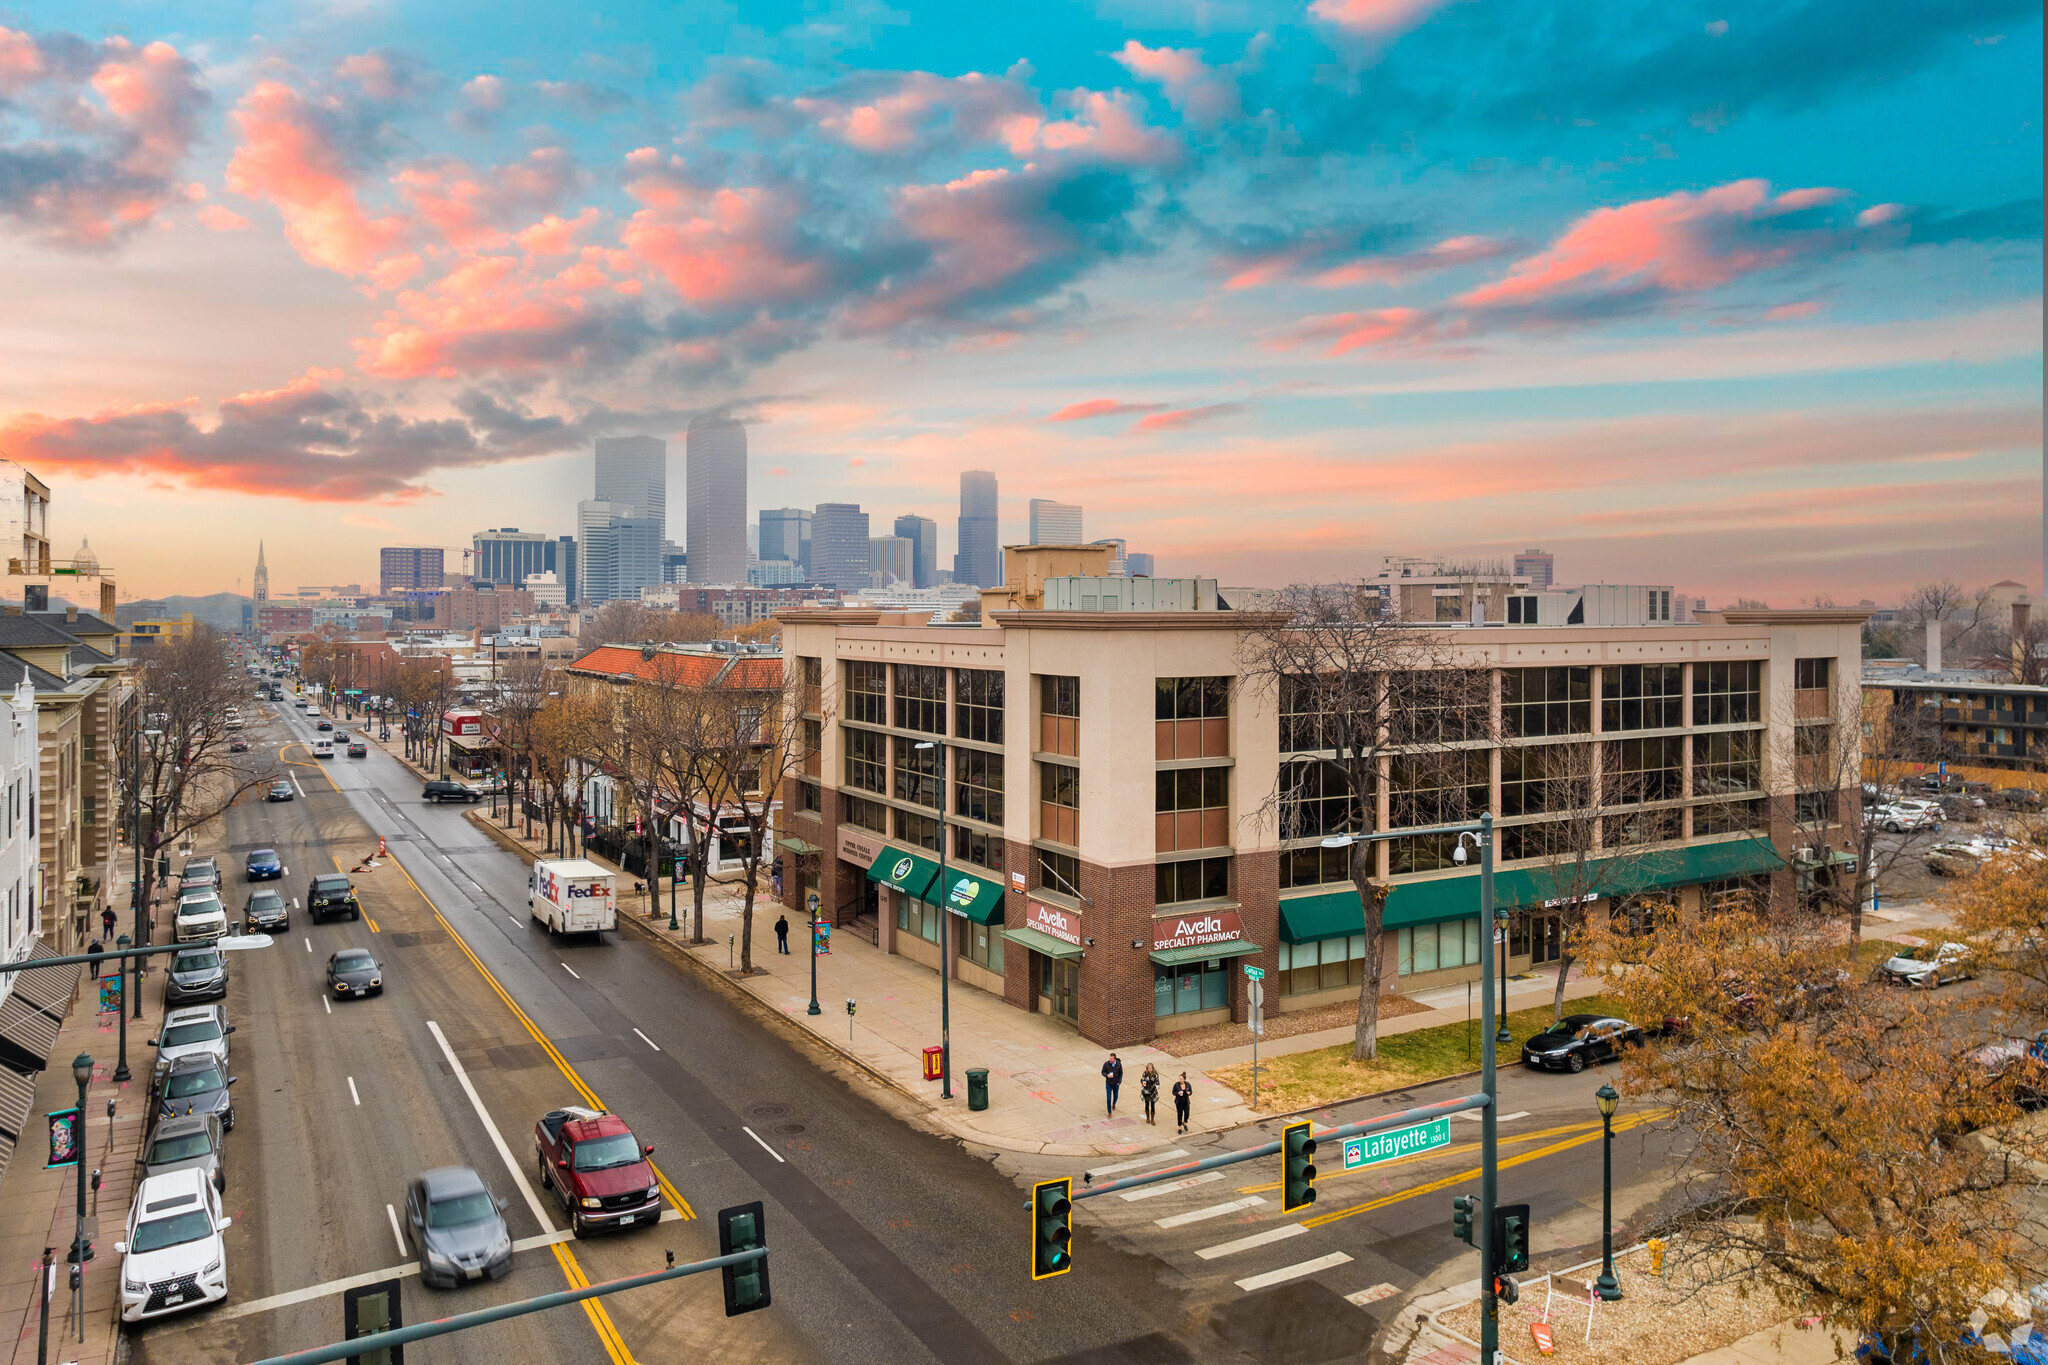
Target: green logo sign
(963, 891)
(1367, 1151)
(901, 870)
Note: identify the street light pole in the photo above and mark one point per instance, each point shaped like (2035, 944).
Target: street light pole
(81, 1071)
(141, 934)
(811, 904)
(945, 936)
(1489, 1117)
(1608, 1287)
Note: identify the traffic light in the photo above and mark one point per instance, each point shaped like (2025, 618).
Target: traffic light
(1461, 1217)
(1052, 1228)
(1298, 1173)
(740, 1228)
(1511, 1237)
(1505, 1289)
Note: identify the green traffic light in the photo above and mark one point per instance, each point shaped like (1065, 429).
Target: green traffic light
(1461, 1217)
(1052, 1228)
(1298, 1171)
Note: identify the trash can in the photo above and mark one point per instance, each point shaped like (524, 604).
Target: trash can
(977, 1087)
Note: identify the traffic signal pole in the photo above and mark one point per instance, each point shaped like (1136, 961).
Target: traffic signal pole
(1489, 1116)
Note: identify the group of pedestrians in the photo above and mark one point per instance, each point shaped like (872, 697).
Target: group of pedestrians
(1148, 1090)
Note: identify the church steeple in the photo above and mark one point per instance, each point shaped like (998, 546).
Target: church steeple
(260, 585)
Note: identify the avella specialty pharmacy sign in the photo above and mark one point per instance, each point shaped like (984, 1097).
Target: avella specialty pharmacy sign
(1193, 930)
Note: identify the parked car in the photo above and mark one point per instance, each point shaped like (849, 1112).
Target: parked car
(196, 1031)
(352, 971)
(597, 1169)
(457, 1227)
(280, 790)
(358, 749)
(330, 893)
(448, 789)
(2020, 1064)
(196, 1085)
(265, 911)
(200, 917)
(1577, 1040)
(199, 872)
(1903, 816)
(1957, 806)
(1952, 860)
(264, 865)
(1949, 962)
(192, 1144)
(172, 1256)
(197, 973)
(2016, 798)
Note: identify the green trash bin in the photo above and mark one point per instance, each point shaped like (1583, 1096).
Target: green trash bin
(977, 1087)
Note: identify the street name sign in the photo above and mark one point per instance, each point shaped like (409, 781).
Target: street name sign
(1367, 1151)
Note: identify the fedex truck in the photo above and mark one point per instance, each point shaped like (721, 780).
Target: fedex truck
(572, 896)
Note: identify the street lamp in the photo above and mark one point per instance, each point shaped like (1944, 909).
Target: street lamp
(811, 904)
(1501, 1035)
(81, 1071)
(141, 934)
(1607, 1286)
(945, 937)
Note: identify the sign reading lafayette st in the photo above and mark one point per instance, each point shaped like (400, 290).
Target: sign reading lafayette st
(1063, 925)
(1365, 1151)
(1186, 931)
(857, 847)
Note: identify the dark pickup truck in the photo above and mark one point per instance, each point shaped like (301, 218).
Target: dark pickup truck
(331, 894)
(598, 1169)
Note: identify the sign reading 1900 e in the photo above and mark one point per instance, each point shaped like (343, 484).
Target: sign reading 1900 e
(1365, 1151)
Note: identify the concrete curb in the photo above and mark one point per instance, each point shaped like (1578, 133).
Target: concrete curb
(1463, 1297)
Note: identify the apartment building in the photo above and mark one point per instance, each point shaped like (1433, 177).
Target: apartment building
(1107, 783)
(1986, 719)
(21, 886)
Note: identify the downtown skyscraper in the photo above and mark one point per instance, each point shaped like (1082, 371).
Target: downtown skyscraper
(980, 557)
(715, 471)
(619, 532)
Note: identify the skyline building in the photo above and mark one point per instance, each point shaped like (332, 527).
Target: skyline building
(634, 470)
(839, 546)
(786, 534)
(1539, 565)
(507, 555)
(259, 586)
(1055, 523)
(408, 568)
(979, 559)
(890, 560)
(1137, 565)
(715, 478)
(923, 535)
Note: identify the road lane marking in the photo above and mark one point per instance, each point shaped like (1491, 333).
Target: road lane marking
(396, 1235)
(570, 970)
(1257, 1239)
(1478, 1117)
(1293, 1272)
(1155, 1159)
(352, 1085)
(326, 1004)
(373, 925)
(516, 921)
(533, 1204)
(295, 782)
(1332, 1173)
(309, 947)
(1169, 1186)
(764, 1146)
(1181, 1220)
(673, 1195)
(649, 1041)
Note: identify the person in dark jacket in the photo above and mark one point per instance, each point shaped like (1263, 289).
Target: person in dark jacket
(782, 935)
(1183, 1097)
(1112, 1080)
(1148, 1090)
(96, 947)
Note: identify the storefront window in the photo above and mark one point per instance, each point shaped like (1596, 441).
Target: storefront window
(973, 846)
(1334, 962)
(983, 944)
(917, 917)
(1436, 947)
(1190, 987)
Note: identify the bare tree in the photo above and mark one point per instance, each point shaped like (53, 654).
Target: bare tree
(188, 775)
(1360, 696)
(756, 743)
(524, 685)
(1964, 615)
(625, 622)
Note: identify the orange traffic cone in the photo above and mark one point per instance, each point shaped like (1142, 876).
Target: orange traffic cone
(380, 846)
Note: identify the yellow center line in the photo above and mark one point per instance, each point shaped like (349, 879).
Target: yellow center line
(601, 1320)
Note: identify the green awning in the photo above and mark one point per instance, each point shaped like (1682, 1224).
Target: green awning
(1328, 914)
(977, 898)
(796, 845)
(1042, 943)
(1203, 952)
(911, 873)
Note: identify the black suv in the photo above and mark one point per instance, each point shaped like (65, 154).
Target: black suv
(448, 789)
(331, 894)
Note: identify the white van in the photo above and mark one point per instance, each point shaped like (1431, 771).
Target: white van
(323, 748)
(200, 918)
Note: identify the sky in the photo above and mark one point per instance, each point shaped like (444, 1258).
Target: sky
(1738, 295)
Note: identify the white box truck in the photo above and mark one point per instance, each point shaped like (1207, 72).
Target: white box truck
(572, 896)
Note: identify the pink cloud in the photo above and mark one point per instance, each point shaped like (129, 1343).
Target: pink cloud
(471, 209)
(724, 247)
(917, 110)
(1380, 327)
(1331, 260)
(491, 313)
(1201, 92)
(222, 219)
(289, 160)
(1375, 18)
(1186, 417)
(553, 236)
(1105, 127)
(1100, 407)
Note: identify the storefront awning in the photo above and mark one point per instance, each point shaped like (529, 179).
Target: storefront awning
(796, 845)
(1042, 943)
(1204, 952)
(47, 988)
(1332, 914)
(27, 1035)
(977, 898)
(17, 1098)
(910, 873)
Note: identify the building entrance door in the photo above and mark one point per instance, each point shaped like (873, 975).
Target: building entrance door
(1546, 939)
(1059, 989)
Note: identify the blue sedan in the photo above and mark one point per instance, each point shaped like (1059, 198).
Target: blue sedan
(264, 864)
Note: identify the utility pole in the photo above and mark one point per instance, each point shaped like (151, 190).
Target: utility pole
(1489, 1117)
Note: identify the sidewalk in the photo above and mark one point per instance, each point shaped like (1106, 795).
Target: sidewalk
(39, 1208)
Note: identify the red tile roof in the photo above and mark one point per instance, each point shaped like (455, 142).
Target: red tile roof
(687, 670)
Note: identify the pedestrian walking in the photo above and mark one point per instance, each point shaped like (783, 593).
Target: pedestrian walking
(1183, 1096)
(96, 947)
(1148, 1090)
(776, 878)
(1112, 1080)
(782, 935)
(107, 922)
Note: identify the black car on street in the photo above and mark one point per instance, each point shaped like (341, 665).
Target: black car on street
(280, 790)
(448, 789)
(352, 971)
(1580, 1040)
(266, 910)
(331, 894)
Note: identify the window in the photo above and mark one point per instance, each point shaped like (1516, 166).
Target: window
(810, 798)
(1544, 780)
(1547, 701)
(978, 785)
(1727, 692)
(1522, 611)
(1440, 788)
(1193, 718)
(1059, 872)
(1811, 674)
(1334, 962)
(89, 813)
(1727, 817)
(983, 944)
(1315, 799)
(1192, 879)
(1642, 696)
(1544, 839)
(918, 917)
(921, 698)
(1191, 808)
(1059, 803)
(867, 765)
(1304, 725)
(1301, 867)
(863, 813)
(978, 705)
(981, 849)
(921, 830)
(1641, 827)
(1635, 770)
(1436, 947)
(867, 693)
(814, 746)
(1421, 853)
(917, 772)
(1190, 987)
(1727, 761)
(1816, 808)
(1440, 706)
(90, 742)
(1059, 715)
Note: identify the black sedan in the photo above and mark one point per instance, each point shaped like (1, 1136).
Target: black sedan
(1579, 1040)
(280, 790)
(196, 1085)
(266, 910)
(197, 973)
(324, 725)
(358, 749)
(352, 971)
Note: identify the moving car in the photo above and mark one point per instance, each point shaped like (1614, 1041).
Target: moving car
(448, 789)
(196, 1085)
(358, 749)
(264, 865)
(196, 973)
(173, 1256)
(200, 917)
(238, 745)
(1949, 962)
(192, 1144)
(324, 724)
(311, 710)
(352, 971)
(266, 910)
(1578, 1040)
(597, 1169)
(457, 1226)
(280, 790)
(323, 748)
(198, 1031)
(329, 893)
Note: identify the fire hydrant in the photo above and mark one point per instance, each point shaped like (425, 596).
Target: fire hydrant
(1656, 1246)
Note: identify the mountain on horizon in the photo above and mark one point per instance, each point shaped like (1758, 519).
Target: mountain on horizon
(221, 610)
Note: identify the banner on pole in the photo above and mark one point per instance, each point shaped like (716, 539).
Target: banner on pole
(67, 1137)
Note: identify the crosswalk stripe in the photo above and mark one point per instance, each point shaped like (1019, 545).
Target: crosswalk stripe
(1150, 1159)
(1169, 1186)
(1293, 1272)
(1180, 1220)
(1257, 1239)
